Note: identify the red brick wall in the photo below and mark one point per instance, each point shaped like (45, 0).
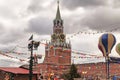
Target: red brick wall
(99, 69)
(58, 56)
(65, 57)
(91, 69)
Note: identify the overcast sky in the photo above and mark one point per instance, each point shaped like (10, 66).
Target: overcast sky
(21, 18)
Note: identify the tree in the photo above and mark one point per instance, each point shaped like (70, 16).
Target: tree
(72, 73)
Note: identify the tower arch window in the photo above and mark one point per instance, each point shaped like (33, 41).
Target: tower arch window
(58, 22)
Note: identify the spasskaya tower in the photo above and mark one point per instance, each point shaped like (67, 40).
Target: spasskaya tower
(58, 50)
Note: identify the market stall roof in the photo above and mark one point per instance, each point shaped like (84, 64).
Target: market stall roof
(16, 70)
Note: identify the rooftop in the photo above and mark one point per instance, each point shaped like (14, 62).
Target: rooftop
(15, 70)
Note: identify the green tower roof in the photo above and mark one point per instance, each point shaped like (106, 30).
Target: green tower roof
(58, 16)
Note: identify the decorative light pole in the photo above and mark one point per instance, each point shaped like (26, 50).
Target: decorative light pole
(31, 45)
(106, 43)
(84, 74)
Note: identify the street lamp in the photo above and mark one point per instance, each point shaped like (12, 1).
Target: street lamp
(33, 45)
(84, 73)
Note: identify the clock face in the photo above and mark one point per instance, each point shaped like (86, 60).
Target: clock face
(54, 36)
(62, 37)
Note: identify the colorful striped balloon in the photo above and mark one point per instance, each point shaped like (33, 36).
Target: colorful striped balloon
(118, 48)
(101, 47)
(106, 43)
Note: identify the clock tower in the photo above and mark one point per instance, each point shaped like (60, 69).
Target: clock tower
(58, 50)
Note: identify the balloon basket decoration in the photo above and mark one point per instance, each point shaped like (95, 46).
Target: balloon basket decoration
(106, 43)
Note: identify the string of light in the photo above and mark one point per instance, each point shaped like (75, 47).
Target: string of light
(76, 57)
(74, 52)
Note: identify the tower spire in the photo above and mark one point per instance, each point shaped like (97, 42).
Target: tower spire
(58, 16)
(58, 2)
(58, 22)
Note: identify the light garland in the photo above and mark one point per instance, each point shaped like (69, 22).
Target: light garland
(74, 52)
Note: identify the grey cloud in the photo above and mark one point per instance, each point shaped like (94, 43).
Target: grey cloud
(102, 19)
(7, 47)
(72, 4)
(9, 63)
(35, 6)
(1, 28)
(70, 26)
(10, 36)
(116, 3)
(7, 12)
(40, 25)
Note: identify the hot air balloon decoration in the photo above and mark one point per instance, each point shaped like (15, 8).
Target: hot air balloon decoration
(106, 43)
